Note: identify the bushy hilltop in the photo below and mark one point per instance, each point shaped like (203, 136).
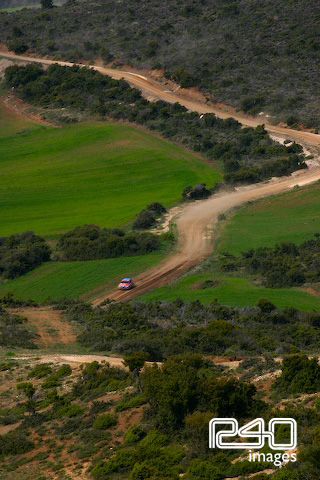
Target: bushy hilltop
(25, 3)
(258, 56)
(16, 3)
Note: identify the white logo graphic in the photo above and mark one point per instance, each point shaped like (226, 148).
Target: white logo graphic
(253, 430)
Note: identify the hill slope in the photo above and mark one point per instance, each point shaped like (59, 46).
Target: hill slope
(260, 56)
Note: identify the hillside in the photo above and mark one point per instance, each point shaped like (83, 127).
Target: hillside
(19, 4)
(98, 417)
(257, 56)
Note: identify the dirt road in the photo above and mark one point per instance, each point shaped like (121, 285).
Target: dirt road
(192, 225)
(149, 85)
(197, 218)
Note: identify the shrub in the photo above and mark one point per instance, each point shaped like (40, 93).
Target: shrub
(13, 334)
(14, 443)
(157, 208)
(40, 371)
(134, 434)
(21, 253)
(105, 421)
(91, 242)
(121, 462)
(69, 410)
(299, 375)
(196, 193)
(130, 402)
(145, 219)
(135, 361)
(18, 47)
(63, 371)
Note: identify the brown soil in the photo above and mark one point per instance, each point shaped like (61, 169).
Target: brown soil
(49, 325)
(312, 292)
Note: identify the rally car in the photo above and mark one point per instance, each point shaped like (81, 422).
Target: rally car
(126, 284)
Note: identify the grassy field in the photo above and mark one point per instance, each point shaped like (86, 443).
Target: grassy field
(235, 292)
(290, 217)
(77, 279)
(12, 123)
(55, 179)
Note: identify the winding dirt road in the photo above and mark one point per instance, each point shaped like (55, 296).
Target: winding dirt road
(199, 217)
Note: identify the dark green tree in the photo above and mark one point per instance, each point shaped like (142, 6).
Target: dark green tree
(29, 390)
(47, 3)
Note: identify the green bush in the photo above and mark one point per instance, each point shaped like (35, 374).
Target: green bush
(40, 371)
(121, 462)
(105, 421)
(134, 434)
(14, 443)
(69, 410)
(299, 375)
(90, 242)
(21, 253)
(130, 402)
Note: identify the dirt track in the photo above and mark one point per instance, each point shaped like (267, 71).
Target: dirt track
(158, 90)
(198, 217)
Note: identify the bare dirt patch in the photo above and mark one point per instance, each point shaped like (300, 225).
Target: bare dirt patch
(49, 325)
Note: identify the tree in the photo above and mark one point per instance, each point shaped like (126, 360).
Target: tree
(228, 397)
(265, 305)
(47, 4)
(157, 207)
(29, 390)
(172, 390)
(145, 219)
(135, 361)
(197, 430)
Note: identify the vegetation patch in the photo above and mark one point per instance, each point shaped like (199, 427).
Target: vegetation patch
(284, 265)
(92, 243)
(160, 328)
(21, 253)
(13, 332)
(234, 51)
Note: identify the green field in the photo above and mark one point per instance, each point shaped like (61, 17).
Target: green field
(290, 217)
(235, 292)
(54, 179)
(11, 123)
(77, 279)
